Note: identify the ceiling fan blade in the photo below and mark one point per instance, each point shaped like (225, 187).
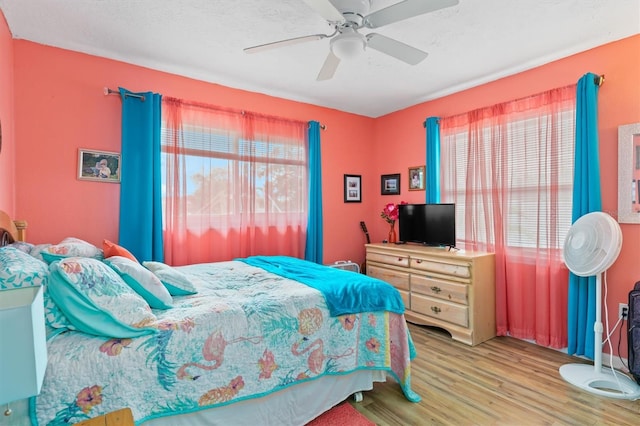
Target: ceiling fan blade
(405, 10)
(397, 49)
(326, 9)
(329, 67)
(281, 43)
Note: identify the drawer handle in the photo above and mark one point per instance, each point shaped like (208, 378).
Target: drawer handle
(418, 261)
(435, 310)
(435, 289)
(400, 259)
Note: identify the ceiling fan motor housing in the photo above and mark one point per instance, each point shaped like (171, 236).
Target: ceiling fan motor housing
(353, 11)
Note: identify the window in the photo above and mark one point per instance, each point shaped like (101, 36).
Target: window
(518, 166)
(234, 184)
(218, 165)
(509, 169)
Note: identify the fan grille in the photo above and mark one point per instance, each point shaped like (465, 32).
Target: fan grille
(592, 244)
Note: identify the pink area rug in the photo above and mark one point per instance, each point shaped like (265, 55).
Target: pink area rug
(341, 415)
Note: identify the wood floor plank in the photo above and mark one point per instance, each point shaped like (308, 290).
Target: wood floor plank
(503, 381)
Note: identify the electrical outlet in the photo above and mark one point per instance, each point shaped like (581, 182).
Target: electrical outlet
(623, 311)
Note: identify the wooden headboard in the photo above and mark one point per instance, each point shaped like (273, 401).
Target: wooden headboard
(11, 230)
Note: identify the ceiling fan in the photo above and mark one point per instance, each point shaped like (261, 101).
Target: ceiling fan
(347, 17)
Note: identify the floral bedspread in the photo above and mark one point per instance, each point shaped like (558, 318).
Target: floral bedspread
(245, 334)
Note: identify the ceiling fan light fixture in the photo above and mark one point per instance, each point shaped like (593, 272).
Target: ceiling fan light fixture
(348, 45)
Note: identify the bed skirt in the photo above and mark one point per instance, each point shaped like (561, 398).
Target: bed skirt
(294, 406)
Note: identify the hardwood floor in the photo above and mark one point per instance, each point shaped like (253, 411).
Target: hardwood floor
(503, 381)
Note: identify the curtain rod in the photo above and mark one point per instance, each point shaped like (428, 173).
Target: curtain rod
(598, 80)
(322, 126)
(230, 110)
(108, 91)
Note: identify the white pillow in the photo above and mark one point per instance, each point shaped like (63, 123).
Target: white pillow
(96, 300)
(177, 283)
(155, 266)
(70, 247)
(143, 281)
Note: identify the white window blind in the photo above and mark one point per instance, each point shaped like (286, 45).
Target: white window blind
(532, 162)
(218, 163)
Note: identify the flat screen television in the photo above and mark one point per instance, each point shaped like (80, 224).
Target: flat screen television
(428, 224)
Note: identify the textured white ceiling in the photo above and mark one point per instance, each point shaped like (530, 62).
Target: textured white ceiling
(469, 44)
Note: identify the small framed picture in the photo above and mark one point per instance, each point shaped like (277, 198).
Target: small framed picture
(390, 184)
(416, 178)
(352, 188)
(100, 166)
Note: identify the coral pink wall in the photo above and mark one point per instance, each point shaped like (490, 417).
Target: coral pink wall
(618, 101)
(7, 155)
(60, 107)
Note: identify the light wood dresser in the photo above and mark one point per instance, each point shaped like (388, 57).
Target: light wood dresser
(453, 290)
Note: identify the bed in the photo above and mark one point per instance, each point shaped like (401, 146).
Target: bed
(261, 340)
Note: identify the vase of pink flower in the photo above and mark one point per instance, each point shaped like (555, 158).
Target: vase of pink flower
(390, 214)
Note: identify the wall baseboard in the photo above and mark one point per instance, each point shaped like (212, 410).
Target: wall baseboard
(619, 363)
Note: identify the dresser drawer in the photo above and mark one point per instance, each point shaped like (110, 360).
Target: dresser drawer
(436, 308)
(453, 292)
(398, 279)
(389, 259)
(405, 299)
(462, 270)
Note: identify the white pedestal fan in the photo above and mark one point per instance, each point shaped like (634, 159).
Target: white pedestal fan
(592, 245)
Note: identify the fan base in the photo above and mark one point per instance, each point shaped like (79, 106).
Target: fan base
(602, 383)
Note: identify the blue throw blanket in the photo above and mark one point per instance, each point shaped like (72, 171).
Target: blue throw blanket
(345, 292)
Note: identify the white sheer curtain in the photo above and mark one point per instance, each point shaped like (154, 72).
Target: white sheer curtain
(509, 169)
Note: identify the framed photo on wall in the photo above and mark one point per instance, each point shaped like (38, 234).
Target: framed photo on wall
(390, 184)
(416, 178)
(352, 188)
(99, 166)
